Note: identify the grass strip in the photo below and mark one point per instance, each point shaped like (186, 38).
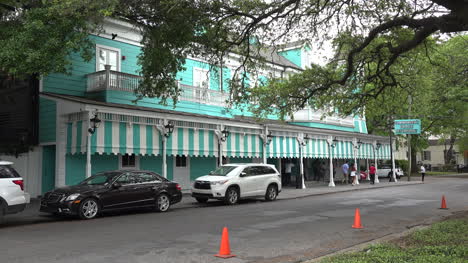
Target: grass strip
(443, 242)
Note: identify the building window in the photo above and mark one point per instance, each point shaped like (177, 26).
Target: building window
(201, 78)
(181, 161)
(128, 161)
(107, 56)
(426, 155)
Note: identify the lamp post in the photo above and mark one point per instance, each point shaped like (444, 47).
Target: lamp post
(267, 137)
(166, 130)
(356, 145)
(222, 137)
(93, 124)
(376, 145)
(331, 144)
(303, 140)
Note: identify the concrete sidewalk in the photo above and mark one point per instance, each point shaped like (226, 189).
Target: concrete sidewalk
(31, 214)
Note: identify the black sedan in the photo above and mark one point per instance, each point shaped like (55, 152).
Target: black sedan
(113, 190)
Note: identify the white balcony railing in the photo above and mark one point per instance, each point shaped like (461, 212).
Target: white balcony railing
(114, 80)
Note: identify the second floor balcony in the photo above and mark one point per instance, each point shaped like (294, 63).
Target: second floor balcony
(110, 80)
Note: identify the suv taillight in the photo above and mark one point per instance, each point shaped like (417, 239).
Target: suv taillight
(177, 186)
(20, 183)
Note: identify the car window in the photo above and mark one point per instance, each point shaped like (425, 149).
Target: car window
(127, 178)
(6, 171)
(248, 171)
(259, 170)
(385, 167)
(146, 178)
(268, 170)
(223, 170)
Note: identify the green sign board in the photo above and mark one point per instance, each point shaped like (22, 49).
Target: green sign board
(412, 126)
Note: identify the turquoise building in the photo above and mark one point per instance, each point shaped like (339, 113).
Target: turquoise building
(180, 143)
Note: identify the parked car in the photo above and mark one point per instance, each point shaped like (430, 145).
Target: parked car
(386, 171)
(113, 190)
(13, 198)
(232, 182)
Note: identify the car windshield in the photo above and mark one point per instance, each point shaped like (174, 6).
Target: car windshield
(99, 179)
(223, 170)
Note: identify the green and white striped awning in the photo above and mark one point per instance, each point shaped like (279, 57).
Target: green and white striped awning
(243, 145)
(343, 150)
(384, 152)
(316, 148)
(283, 147)
(125, 138)
(366, 151)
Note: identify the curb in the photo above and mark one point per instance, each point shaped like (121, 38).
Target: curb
(348, 190)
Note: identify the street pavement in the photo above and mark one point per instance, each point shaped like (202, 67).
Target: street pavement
(302, 224)
(32, 215)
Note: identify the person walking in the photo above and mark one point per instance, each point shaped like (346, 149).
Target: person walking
(354, 174)
(423, 172)
(288, 168)
(345, 169)
(372, 172)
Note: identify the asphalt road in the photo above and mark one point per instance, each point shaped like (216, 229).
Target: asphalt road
(280, 231)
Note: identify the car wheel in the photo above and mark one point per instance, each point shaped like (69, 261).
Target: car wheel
(201, 200)
(232, 196)
(163, 203)
(89, 208)
(271, 193)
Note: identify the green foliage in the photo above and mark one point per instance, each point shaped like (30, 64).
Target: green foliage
(444, 242)
(403, 164)
(39, 36)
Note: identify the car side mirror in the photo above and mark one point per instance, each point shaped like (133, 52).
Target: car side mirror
(116, 185)
(243, 174)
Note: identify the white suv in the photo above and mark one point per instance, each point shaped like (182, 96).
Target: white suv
(231, 182)
(385, 170)
(13, 199)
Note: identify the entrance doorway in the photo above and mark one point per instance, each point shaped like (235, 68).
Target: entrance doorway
(182, 171)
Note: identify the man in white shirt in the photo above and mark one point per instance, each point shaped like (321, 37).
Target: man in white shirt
(287, 171)
(423, 172)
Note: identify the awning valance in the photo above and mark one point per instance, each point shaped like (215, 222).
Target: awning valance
(192, 142)
(384, 152)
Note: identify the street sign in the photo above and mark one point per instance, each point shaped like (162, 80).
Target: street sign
(411, 126)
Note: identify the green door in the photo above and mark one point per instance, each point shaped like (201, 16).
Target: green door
(48, 168)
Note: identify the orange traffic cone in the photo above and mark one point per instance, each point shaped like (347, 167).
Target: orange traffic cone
(225, 250)
(357, 219)
(443, 205)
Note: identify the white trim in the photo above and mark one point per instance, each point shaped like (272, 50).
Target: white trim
(203, 71)
(119, 57)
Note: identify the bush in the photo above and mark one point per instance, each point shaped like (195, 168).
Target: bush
(403, 164)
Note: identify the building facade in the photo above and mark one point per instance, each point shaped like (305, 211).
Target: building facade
(433, 157)
(181, 142)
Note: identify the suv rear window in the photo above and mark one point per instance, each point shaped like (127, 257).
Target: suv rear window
(6, 171)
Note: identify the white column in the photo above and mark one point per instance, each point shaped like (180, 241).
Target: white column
(164, 156)
(162, 130)
(330, 142)
(374, 146)
(355, 148)
(301, 159)
(88, 149)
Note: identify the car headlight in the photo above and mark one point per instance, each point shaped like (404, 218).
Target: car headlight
(219, 182)
(72, 197)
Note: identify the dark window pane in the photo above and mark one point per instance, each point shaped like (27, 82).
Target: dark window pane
(6, 171)
(181, 161)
